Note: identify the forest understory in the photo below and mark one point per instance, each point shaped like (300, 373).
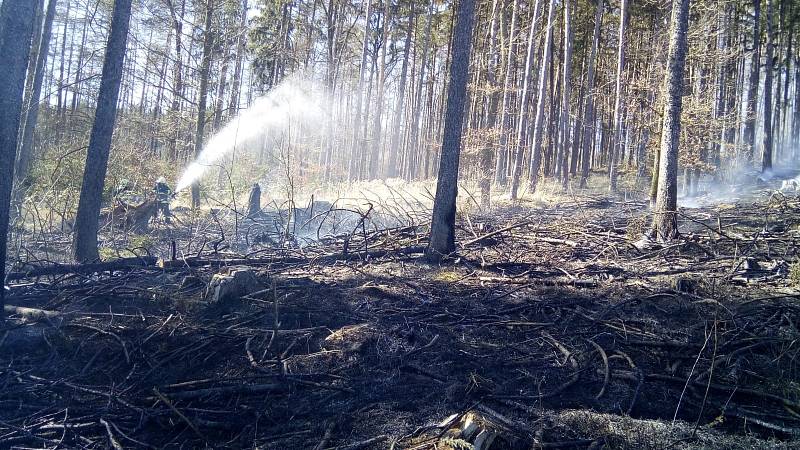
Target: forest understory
(547, 329)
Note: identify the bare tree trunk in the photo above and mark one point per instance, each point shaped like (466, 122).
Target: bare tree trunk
(332, 31)
(539, 122)
(442, 237)
(177, 77)
(236, 83)
(616, 149)
(796, 112)
(25, 153)
(220, 100)
(76, 84)
(60, 94)
(589, 114)
(665, 224)
(414, 139)
(401, 98)
(205, 68)
(84, 243)
(33, 55)
(16, 30)
(752, 93)
(766, 152)
(565, 91)
(524, 100)
(490, 118)
(377, 145)
(351, 171)
(505, 123)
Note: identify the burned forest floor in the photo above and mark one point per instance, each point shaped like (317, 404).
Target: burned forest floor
(548, 329)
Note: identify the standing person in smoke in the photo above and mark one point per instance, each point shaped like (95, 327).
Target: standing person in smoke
(163, 195)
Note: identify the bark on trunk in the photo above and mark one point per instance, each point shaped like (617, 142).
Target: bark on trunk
(417, 113)
(177, 79)
(236, 83)
(205, 67)
(752, 92)
(442, 237)
(359, 99)
(25, 153)
(766, 143)
(589, 116)
(616, 149)
(522, 123)
(565, 91)
(665, 225)
(375, 161)
(394, 145)
(505, 109)
(539, 124)
(16, 29)
(84, 243)
(490, 119)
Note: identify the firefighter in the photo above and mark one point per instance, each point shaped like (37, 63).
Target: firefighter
(163, 195)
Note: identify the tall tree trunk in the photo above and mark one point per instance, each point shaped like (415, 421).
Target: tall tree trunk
(177, 76)
(524, 100)
(490, 117)
(616, 149)
(394, 145)
(33, 55)
(752, 92)
(377, 145)
(665, 224)
(351, 171)
(589, 115)
(442, 237)
(766, 143)
(25, 153)
(796, 111)
(241, 40)
(61, 96)
(220, 96)
(505, 109)
(565, 91)
(539, 125)
(417, 113)
(76, 84)
(205, 68)
(84, 243)
(16, 30)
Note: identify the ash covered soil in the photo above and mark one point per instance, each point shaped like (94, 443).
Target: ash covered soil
(549, 329)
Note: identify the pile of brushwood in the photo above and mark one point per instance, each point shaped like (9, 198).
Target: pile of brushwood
(548, 329)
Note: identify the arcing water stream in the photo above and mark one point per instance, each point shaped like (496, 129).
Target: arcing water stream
(293, 102)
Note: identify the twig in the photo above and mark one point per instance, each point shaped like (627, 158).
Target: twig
(180, 414)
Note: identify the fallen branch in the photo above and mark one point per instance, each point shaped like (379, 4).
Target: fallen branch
(63, 269)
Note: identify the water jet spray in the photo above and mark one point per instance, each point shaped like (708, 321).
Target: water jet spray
(293, 101)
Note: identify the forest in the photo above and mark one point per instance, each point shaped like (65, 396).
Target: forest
(400, 224)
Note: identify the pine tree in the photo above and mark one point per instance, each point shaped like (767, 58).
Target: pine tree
(442, 236)
(665, 224)
(16, 30)
(84, 243)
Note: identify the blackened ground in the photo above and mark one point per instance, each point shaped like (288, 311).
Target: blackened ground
(549, 324)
